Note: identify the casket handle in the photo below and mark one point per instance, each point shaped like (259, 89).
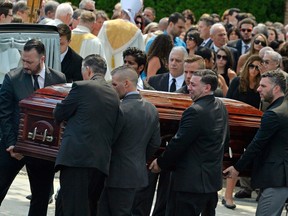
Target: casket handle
(230, 152)
(44, 135)
(49, 138)
(32, 135)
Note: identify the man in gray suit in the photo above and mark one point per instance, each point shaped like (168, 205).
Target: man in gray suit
(17, 85)
(91, 110)
(137, 139)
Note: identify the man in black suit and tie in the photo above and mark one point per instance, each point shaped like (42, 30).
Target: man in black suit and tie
(173, 80)
(137, 139)
(19, 84)
(71, 62)
(218, 35)
(91, 110)
(195, 153)
(243, 44)
(268, 150)
(204, 26)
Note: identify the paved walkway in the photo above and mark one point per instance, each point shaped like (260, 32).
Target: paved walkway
(15, 203)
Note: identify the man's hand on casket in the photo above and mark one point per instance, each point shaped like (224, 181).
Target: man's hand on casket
(154, 167)
(13, 154)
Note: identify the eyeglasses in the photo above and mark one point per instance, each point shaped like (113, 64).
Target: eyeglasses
(258, 42)
(221, 56)
(138, 22)
(11, 15)
(252, 66)
(190, 38)
(244, 30)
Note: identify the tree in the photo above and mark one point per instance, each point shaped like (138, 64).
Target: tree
(263, 10)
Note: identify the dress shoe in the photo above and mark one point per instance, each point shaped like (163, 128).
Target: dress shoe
(29, 197)
(233, 206)
(242, 194)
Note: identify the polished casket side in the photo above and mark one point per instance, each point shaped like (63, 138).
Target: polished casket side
(40, 137)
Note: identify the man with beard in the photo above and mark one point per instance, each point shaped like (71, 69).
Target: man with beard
(17, 85)
(268, 150)
(243, 45)
(195, 153)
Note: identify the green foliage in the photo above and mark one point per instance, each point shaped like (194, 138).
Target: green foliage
(263, 10)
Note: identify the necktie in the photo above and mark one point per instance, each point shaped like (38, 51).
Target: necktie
(246, 48)
(173, 85)
(36, 83)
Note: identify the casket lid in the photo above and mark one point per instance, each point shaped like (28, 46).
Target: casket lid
(170, 105)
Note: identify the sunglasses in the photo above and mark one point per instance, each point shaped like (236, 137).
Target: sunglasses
(252, 66)
(258, 42)
(221, 56)
(190, 38)
(244, 30)
(91, 10)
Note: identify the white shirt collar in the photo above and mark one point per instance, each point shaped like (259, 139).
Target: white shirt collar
(41, 78)
(179, 81)
(81, 28)
(62, 56)
(140, 84)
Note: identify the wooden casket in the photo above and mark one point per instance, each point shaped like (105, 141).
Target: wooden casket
(40, 137)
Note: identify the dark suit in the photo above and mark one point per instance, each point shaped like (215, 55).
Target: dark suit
(17, 85)
(269, 152)
(160, 82)
(91, 110)
(237, 44)
(268, 149)
(208, 43)
(195, 155)
(138, 140)
(144, 197)
(71, 66)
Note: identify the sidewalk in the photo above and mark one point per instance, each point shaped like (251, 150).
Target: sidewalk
(15, 203)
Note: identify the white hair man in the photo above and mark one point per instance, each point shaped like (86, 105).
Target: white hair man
(50, 11)
(63, 14)
(83, 41)
(88, 5)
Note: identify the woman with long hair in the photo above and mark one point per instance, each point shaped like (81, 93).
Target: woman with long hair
(193, 41)
(158, 55)
(243, 88)
(258, 42)
(224, 63)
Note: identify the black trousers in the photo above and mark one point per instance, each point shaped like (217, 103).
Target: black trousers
(144, 197)
(191, 204)
(40, 174)
(116, 201)
(80, 190)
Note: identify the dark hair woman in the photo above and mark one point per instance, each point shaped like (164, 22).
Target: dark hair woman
(193, 41)
(224, 63)
(158, 55)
